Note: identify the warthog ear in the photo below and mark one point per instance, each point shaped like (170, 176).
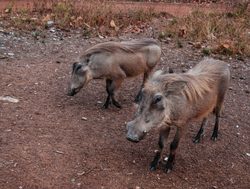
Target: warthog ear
(174, 87)
(74, 65)
(78, 68)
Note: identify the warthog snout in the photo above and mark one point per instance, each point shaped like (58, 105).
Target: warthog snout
(71, 92)
(133, 134)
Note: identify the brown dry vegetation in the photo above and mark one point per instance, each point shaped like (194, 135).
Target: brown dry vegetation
(73, 14)
(223, 33)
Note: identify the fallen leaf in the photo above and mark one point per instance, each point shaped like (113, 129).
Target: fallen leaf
(226, 46)
(46, 18)
(113, 25)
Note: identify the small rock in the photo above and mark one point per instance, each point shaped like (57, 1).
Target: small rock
(73, 180)
(9, 99)
(79, 184)
(58, 62)
(248, 154)
(59, 152)
(11, 54)
(7, 10)
(49, 23)
(52, 30)
(134, 161)
(100, 36)
(84, 118)
(158, 176)
(99, 102)
(230, 88)
(82, 173)
(137, 187)
(3, 57)
(197, 45)
(237, 126)
(182, 64)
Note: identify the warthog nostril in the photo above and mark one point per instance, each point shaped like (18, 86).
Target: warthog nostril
(71, 92)
(133, 139)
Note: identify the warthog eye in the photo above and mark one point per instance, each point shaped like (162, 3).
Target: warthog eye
(157, 99)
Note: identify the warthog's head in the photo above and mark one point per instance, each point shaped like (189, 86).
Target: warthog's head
(155, 108)
(150, 113)
(79, 78)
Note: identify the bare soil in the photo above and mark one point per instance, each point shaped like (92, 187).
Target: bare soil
(46, 142)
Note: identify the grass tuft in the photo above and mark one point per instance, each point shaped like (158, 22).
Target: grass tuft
(228, 33)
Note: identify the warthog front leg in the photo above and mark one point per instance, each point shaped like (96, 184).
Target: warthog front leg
(139, 95)
(108, 100)
(173, 146)
(197, 138)
(111, 86)
(159, 154)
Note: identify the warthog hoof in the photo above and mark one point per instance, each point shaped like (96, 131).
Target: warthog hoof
(155, 162)
(197, 139)
(214, 136)
(168, 167)
(106, 105)
(116, 104)
(152, 168)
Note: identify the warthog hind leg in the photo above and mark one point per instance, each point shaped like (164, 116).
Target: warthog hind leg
(200, 133)
(139, 95)
(216, 125)
(108, 100)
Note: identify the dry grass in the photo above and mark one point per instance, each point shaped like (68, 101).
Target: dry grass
(226, 33)
(69, 14)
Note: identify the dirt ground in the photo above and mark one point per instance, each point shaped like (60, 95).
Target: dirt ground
(46, 143)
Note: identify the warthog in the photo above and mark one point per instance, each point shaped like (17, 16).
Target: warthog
(115, 61)
(175, 99)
